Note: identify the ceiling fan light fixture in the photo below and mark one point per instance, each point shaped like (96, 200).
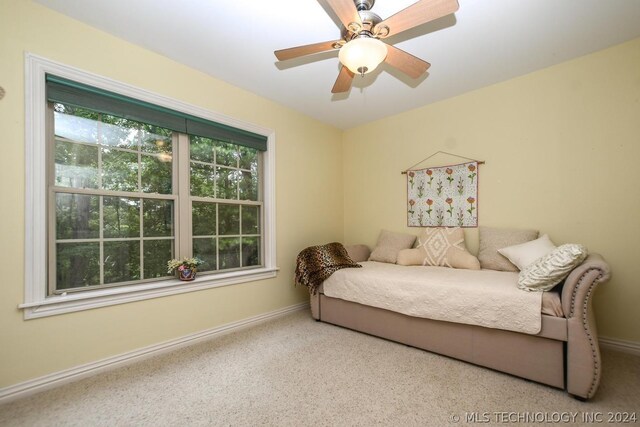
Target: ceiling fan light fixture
(363, 54)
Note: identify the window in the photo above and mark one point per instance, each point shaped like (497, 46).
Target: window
(130, 181)
(225, 235)
(111, 200)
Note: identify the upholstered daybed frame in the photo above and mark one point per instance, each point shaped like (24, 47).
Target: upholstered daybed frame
(564, 354)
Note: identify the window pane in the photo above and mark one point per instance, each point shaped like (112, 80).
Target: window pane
(229, 219)
(121, 217)
(156, 174)
(248, 158)
(77, 265)
(77, 216)
(156, 255)
(202, 180)
(154, 139)
(250, 251)
(203, 219)
(121, 261)
(76, 165)
(229, 252)
(201, 149)
(226, 154)
(120, 170)
(158, 218)
(227, 183)
(250, 219)
(205, 249)
(118, 132)
(249, 186)
(75, 124)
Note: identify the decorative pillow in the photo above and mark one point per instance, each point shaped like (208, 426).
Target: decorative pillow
(410, 257)
(442, 247)
(389, 244)
(552, 268)
(526, 253)
(492, 239)
(358, 253)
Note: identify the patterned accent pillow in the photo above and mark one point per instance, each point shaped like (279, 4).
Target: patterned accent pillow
(442, 247)
(552, 268)
(492, 239)
(389, 244)
(527, 253)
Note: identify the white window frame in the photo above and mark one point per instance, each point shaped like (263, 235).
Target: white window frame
(37, 303)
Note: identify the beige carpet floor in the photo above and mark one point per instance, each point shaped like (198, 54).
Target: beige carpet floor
(293, 371)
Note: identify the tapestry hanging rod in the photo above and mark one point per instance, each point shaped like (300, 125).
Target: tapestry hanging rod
(404, 172)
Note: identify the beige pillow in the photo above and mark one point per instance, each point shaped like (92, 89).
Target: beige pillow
(389, 244)
(410, 257)
(552, 268)
(527, 253)
(358, 253)
(492, 239)
(441, 247)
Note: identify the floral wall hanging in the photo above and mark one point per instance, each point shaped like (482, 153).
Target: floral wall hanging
(443, 197)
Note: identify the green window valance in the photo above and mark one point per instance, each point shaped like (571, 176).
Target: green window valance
(81, 95)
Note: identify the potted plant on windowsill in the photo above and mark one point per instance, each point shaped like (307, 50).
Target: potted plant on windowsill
(185, 268)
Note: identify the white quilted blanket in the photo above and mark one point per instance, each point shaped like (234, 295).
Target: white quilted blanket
(477, 297)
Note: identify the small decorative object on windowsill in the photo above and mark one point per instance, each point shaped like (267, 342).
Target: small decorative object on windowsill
(185, 268)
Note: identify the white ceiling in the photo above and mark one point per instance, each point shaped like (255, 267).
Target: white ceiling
(485, 42)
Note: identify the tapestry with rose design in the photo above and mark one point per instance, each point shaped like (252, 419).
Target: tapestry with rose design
(443, 197)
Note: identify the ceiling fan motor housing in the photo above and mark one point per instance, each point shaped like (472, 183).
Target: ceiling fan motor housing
(369, 21)
(364, 4)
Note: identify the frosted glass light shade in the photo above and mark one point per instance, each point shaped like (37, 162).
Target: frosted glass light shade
(363, 55)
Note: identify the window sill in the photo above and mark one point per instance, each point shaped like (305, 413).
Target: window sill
(78, 301)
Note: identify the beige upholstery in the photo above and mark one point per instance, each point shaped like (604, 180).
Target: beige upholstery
(358, 253)
(314, 302)
(540, 357)
(528, 356)
(583, 352)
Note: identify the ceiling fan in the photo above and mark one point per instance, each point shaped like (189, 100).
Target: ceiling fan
(361, 49)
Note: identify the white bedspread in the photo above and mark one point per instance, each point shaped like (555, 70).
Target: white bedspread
(477, 297)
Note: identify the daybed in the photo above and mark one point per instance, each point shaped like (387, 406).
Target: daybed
(563, 354)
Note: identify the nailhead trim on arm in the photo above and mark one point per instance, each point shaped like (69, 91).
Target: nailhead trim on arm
(585, 323)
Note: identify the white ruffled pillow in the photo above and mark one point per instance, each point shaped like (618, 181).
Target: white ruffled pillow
(552, 268)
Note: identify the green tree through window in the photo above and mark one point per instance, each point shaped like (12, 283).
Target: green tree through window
(116, 198)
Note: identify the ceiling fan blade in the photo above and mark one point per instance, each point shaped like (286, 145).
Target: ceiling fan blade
(346, 11)
(295, 52)
(410, 65)
(418, 13)
(343, 82)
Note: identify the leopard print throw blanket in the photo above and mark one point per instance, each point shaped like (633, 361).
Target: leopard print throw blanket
(315, 263)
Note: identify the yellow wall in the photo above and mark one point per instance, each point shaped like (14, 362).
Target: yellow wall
(308, 163)
(562, 147)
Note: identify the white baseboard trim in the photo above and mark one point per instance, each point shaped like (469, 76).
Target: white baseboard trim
(57, 379)
(620, 345)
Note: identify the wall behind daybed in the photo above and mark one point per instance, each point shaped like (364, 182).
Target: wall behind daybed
(562, 147)
(308, 163)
